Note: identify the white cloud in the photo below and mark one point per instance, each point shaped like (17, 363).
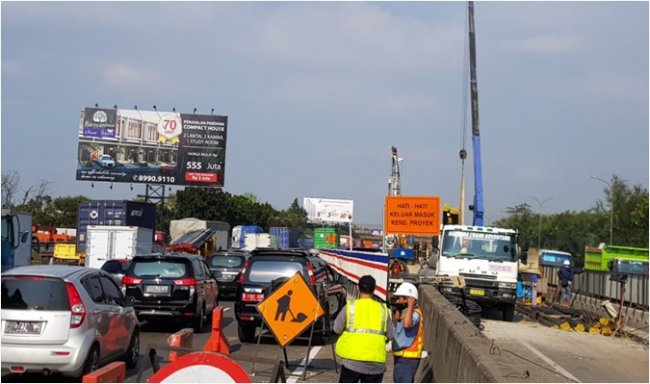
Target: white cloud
(129, 78)
(549, 44)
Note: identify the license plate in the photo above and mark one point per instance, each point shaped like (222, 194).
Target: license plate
(156, 288)
(476, 292)
(24, 327)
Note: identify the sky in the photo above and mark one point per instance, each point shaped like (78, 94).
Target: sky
(317, 93)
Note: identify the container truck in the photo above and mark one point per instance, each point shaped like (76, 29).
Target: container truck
(287, 237)
(239, 233)
(326, 238)
(16, 239)
(259, 240)
(113, 212)
(107, 242)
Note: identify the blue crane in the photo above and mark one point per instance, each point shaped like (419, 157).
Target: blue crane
(477, 207)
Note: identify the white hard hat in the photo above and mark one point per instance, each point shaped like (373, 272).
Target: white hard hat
(408, 290)
(567, 262)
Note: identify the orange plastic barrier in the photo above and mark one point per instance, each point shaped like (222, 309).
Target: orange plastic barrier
(183, 338)
(217, 341)
(111, 373)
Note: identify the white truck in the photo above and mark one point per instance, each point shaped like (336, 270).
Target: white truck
(259, 240)
(486, 259)
(107, 242)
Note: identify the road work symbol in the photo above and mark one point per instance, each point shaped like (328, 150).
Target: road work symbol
(284, 306)
(296, 298)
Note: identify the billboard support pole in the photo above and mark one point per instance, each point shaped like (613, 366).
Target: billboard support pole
(350, 226)
(156, 194)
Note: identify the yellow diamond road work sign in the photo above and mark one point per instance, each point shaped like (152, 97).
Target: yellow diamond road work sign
(290, 309)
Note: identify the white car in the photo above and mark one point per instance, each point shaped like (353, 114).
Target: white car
(66, 319)
(106, 161)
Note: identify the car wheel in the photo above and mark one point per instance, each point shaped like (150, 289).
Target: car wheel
(246, 333)
(133, 352)
(199, 321)
(92, 360)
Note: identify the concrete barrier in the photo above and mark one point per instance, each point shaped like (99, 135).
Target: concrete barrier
(459, 353)
(183, 338)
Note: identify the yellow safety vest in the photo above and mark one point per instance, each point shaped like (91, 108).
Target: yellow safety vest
(414, 351)
(364, 337)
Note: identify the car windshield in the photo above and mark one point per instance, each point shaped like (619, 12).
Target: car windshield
(226, 261)
(480, 245)
(106, 157)
(34, 293)
(265, 271)
(160, 268)
(554, 259)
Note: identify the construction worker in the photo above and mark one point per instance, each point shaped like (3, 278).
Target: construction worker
(365, 327)
(409, 334)
(565, 275)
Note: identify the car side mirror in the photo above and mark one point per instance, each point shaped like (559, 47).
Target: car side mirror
(129, 301)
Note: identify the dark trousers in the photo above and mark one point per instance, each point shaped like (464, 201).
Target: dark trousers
(404, 369)
(349, 376)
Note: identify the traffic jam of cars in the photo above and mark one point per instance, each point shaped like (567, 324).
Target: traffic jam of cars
(72, 320)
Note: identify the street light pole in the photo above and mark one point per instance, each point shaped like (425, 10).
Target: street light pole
(611, 207)
(539, 228)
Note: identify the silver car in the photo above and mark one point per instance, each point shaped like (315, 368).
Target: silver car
(59, 318)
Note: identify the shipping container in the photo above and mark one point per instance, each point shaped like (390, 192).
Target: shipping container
(596, 259)
(221, 229)
(115, 213)
(287, 237)
(326, 238)
(239, 234)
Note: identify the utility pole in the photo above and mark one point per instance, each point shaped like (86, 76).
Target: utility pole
(611, 207)
(539, 228)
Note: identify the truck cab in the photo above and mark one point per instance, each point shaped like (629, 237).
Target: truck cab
(486, 258)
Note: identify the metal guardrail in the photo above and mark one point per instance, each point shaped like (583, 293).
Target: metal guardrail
(596, 283)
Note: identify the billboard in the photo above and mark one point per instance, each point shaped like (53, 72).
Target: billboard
(152, 147)
(328, 210)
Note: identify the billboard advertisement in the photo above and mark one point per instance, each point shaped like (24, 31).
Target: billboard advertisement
(151, 147)
(328, 210)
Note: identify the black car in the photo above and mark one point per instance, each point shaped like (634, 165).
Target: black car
(172, 286)
(116, 268)
(226, 267)
(266, 267)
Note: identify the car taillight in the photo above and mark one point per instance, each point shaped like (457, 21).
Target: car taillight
(310, 272)
(185, 282)
(252, 297)
(130, 280)
(76, 306)
(243, 271)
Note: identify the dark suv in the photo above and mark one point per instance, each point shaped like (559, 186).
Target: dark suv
(172, 286)
(267, 266)
(226, 267)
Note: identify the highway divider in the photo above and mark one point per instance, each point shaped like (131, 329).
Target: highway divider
(457, 352)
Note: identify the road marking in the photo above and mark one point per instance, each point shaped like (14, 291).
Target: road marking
(552, 363)
(226, 309)
(297, 373)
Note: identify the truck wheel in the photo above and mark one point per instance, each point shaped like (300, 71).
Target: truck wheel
(508, 312)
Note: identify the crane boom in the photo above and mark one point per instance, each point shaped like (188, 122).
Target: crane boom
(476, 137)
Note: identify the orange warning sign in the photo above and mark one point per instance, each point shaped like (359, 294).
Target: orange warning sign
(290, 309)
(412, 215)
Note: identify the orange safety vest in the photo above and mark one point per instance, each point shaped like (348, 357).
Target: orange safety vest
(414, 351)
